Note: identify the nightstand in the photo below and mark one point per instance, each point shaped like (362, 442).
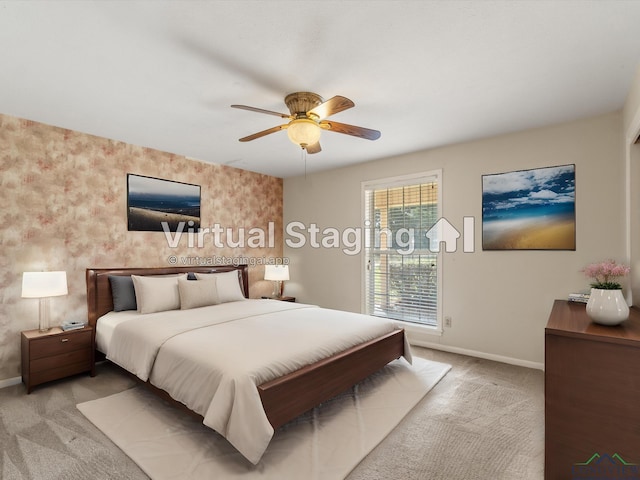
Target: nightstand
(56, 354)
(282, 299)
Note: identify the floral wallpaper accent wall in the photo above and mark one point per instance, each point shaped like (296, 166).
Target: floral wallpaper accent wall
(64, 207)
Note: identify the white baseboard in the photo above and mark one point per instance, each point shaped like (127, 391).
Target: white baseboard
(473, 353)
(10, 382)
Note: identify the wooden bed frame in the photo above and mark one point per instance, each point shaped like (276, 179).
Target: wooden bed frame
(283, 398)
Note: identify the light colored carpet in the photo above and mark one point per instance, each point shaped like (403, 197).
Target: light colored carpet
(483, 421)
(43, 436)
(326, 443)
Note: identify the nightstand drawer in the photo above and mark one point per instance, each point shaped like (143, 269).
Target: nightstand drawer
(47, 346)
(56, 361)
(62, 372)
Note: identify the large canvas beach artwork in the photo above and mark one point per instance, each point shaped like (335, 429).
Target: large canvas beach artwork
(152, 201)
(530, 209)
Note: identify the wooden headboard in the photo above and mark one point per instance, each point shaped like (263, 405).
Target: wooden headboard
(100, 301)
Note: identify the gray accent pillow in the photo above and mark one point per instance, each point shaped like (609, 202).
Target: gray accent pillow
(123, 293)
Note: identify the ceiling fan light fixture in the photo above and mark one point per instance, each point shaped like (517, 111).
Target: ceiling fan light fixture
(308, 118)
(304, 132)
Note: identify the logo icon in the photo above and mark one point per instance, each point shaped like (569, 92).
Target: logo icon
(605, 466)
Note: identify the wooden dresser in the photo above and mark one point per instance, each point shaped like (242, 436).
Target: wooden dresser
(592, 390)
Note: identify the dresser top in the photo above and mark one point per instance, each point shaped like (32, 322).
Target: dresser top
(570, 319)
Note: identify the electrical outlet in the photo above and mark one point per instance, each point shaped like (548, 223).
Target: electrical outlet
(447, 322)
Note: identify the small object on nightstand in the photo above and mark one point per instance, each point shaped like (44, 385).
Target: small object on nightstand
(56, 354)
(282, 299)
(72, 325)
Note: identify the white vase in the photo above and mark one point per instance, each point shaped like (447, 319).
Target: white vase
(607, 307)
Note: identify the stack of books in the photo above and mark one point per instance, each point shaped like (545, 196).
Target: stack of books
(72, 325)
(579, 297)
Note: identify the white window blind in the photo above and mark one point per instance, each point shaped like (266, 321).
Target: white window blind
(401, 273)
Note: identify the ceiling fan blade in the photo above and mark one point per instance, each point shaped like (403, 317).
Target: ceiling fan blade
(261, 110)
(315, 148)
(218, 56)
(263, 133)
(332, 106)
(361, 132)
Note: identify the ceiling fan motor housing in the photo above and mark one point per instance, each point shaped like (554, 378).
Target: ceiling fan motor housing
(299, 103)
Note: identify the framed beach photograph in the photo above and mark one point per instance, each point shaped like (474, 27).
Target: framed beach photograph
(152, 201)
(530, 209)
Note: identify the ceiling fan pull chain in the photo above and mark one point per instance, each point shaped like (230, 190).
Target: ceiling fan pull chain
(304, 158)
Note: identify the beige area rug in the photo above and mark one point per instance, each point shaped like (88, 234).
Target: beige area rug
(323, 444)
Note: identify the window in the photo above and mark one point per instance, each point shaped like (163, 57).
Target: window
(402, 280)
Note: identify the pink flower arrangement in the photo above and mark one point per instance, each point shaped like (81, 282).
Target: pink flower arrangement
(604, 274)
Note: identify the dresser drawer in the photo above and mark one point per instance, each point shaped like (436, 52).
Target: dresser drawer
(47, 346)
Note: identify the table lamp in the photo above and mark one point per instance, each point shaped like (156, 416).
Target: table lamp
(44, 285)
(277, 274)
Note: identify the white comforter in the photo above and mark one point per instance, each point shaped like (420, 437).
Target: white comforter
(212, 358)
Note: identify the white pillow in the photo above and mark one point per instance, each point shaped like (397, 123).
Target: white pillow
(157, 294)
(197, 293)
(227, 284)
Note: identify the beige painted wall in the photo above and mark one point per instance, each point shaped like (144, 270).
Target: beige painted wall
(634, 221)
(63, 197)
(631, 110)
(499, 301)
(632, 152)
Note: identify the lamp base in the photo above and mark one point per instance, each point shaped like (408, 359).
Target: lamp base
(277, 289)
(44, 315)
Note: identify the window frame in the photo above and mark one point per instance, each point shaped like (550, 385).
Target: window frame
(393, 182)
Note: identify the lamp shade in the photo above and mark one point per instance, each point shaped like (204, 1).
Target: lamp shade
(276, 272)
(303, 132)
(44, 284)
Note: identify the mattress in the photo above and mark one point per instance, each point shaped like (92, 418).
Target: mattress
(107, 325)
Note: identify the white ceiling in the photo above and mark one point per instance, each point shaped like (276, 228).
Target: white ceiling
(425, 73)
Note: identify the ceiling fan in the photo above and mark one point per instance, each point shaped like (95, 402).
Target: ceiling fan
(308, 118)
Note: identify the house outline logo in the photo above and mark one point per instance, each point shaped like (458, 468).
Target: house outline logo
(605, 466)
